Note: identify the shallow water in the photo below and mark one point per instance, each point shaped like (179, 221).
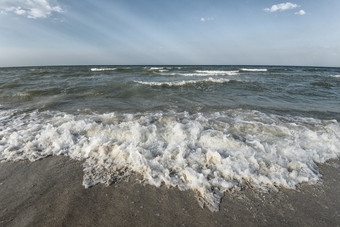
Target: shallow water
(203, 128)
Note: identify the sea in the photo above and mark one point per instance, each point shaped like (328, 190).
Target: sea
(209, 129)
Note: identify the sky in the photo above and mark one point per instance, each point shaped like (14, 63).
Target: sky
(158, 32)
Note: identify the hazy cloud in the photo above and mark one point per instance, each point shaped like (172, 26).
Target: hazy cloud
(281, 7)
(301, 12)
(30, 8)
(204, 19)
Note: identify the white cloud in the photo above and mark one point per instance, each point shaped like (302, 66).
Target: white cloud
(204, 19)
(30, 8)
(281, 7)
(301, 12)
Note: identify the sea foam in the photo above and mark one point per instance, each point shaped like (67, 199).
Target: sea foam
(156, 68)
(183, 82)
(205, 73)
(208, 153)
(102, 69)
(217, 72)
(253, 70)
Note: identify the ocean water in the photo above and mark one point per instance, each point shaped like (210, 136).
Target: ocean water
(209, 129)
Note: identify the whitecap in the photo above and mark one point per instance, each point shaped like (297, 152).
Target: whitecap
(156, 68)
(182, 83)
(253, 70)
(217, 72)
(102, 69)
(202, 73)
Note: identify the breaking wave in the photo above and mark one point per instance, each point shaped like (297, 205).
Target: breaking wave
(102, 69)
(202, 73)
(209, 153)
(183, 82)
(253, 70)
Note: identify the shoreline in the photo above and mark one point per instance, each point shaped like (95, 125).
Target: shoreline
(50, 192)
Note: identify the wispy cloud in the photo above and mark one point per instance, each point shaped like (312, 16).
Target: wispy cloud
(285, 6)
(300, 12)
(281, 7)
(30, 8)
(204, 19)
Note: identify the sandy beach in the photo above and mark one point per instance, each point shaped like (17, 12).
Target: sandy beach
(169, 113)
(49, 192)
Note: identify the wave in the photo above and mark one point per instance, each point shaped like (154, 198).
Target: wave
(162, 68)
(24, 95)
(217, 73)
(102, 69)
(253, 70)
(156, 68)
(335, 76)
(203, 73)
(315, 69)
(182, 83)
(322, 84)
(159, 69)
(209, 153)
(33, 93)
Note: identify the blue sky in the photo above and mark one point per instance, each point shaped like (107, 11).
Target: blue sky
(72, 32)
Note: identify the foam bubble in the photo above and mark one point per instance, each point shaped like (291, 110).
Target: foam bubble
(208, 153)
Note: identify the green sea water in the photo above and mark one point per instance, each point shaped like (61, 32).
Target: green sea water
(303, 91)
(210, 129)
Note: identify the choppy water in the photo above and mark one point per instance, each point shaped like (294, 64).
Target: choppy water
(209, 129)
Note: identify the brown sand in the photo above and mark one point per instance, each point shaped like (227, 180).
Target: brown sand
(49, 192)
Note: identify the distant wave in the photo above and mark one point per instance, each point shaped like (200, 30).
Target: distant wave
(253, 70)
(102, 69)
(217, 73)
(315, 70)
(322, 84)
(182, 83)
(335, 76)
(161, 69)
(156, 68)
(203, 73)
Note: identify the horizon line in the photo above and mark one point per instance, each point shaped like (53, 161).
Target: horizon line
(83, 65)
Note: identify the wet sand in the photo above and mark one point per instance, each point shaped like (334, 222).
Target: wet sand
(49, 192)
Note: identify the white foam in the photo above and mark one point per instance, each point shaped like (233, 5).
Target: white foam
(183, 82)
(205, 73)
(206, 153)
(254, 70)
(217, 73)
(102, 69)
(156, 68)
(335, 76)
(21, 94)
